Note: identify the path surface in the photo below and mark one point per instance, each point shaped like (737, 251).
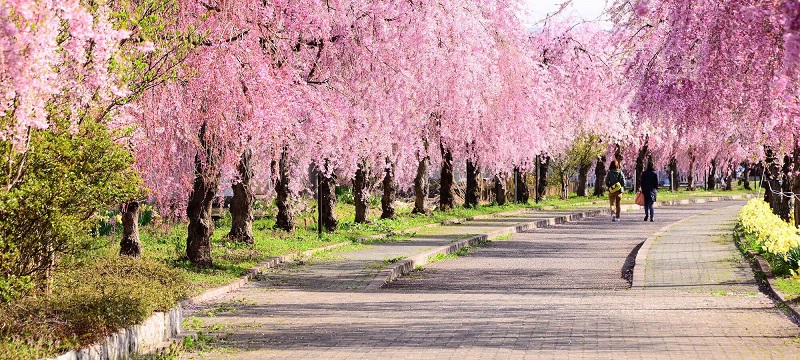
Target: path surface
(550, 293)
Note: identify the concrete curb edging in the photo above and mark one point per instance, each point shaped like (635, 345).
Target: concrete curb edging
(639, 267)
(162, 329)
(254, 271)
(441, 223)
(403, 267)
(769, 280)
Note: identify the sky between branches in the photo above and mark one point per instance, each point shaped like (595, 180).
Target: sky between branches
(585, 9)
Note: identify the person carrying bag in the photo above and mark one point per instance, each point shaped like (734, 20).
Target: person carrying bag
(615, 181)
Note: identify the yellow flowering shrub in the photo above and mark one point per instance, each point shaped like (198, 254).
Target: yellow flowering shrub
(775, 236)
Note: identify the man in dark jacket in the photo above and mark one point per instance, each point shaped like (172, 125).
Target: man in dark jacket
(649, 190)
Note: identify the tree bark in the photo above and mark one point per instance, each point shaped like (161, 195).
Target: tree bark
(640, 159)
(130, 244)
(242, 202)
(499, 190)
(564, 186)
(473, 194)
(796, 183)
(521, 187)
(285, 218)
(673, 174)
(204, 190)
(786, 189)
(690, 174)
(421, 182)
(327, 200)
(583, 179)
(746, 175)
(389, 190)
(446, 195)
(361, 194)
(600, 177)
(772, 185)
(542, 180)
(729, 175)
(711, 181)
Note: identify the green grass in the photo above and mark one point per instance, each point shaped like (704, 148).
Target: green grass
(790, 287)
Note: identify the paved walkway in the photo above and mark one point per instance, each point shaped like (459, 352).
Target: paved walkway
(550, 293)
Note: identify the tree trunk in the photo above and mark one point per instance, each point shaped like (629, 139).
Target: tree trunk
(746, 175)
(499, 190)
(583, 179)
(204, 190)
(640, 159)
(242, 202)
(784, 198)
(564, 186)
(361, 194)
(796, 183)
(673, 174)
(446, 195)
(542, 180)
(130, 244)
(421, 186)
(772, 186)
(327, 200)
(600, 177)
(690, 174)
(711, 181)
(521, 188)
(285, 217)
(387, 201)
(729, 175)
(473, 194)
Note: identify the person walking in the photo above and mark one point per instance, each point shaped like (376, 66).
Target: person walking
(615, 181)
(649, 190)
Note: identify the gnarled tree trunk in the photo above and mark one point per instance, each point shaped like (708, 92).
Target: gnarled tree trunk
(690, 174)
(673, 174)
(600, 176)
(499, 190)
(421, 182)
(784, 198)
(521, 192)
(204, 190)
(446, 194)
(389, 190)
(472, 194)
(746, 175)
(711, 181)
(327, 200)
(583, 179)
(541, 186)
(242, 202)
(640, 159)
(130, 244)
(361, 194)
(796, 183)
(730, 173)
(285, 218)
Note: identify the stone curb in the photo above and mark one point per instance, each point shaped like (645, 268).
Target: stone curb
(641, 256)
(441, 223)
(160, 330)
(403, 267)
(770, 282)
(252, 272)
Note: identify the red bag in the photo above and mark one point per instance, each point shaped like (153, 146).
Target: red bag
(640, 199)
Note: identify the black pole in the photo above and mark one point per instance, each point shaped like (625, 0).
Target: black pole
(536, 186)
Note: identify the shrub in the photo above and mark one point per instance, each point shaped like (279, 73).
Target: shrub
(89, 301)
(64, 179)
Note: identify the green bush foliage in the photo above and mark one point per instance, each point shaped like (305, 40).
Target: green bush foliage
(52, 194)
(89, 300)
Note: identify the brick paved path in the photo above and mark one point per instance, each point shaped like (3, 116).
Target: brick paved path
(550, 293)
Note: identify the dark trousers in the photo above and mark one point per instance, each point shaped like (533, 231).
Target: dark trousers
(648, 208)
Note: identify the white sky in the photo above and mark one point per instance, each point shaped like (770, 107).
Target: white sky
(579, 9)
